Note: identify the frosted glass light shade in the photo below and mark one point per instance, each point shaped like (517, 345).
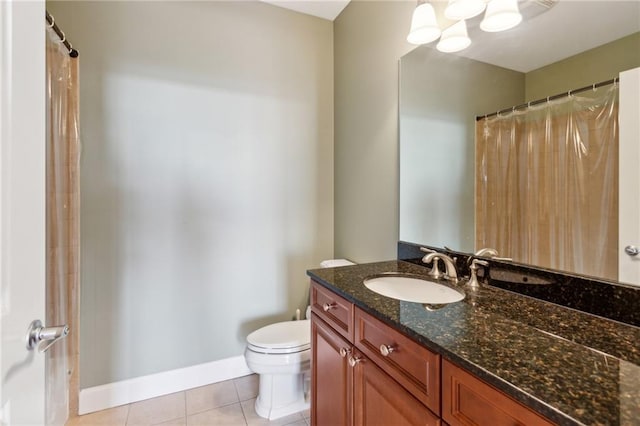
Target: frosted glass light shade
(454, 38)
(424, 28)
(501, 15)
(458, 10)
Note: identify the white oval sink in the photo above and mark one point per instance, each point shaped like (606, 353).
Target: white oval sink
(413, 289)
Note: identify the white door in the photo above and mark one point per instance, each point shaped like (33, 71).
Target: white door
(22, 208)
(629, 185)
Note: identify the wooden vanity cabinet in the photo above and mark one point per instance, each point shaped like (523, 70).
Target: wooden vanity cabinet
(356, 382)
(348, 388)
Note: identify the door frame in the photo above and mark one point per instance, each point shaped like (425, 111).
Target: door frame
(22, 208)
(629, 176)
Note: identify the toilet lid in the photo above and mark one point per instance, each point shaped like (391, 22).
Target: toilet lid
(281, 337)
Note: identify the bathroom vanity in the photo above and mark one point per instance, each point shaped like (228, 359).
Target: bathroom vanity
(495, 358)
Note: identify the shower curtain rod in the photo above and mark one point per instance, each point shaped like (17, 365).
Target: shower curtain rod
(63, 39)
(549, 98)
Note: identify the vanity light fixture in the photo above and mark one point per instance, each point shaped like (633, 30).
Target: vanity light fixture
(424, 27)
(501, 15)
(458, 10)
(454, 38)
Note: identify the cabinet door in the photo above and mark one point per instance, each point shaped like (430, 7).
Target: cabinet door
(331, 376)
(380, 400)
(468, 401)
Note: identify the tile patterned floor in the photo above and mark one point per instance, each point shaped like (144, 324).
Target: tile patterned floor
(226, 403)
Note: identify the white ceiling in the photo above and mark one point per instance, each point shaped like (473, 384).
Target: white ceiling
(547, 35)
(326, 9)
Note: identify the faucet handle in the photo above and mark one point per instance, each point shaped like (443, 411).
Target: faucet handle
(435, 269)
(433, 257)
(427, 250)
(476, 262)
(488, 253)
(473, 282)
(451, 272)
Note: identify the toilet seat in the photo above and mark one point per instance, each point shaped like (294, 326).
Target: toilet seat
(281, 338)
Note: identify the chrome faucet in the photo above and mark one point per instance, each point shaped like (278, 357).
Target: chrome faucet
(432, 256)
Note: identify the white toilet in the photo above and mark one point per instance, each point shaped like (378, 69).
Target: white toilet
(280, 354)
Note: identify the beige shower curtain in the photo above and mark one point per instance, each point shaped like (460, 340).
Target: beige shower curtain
(63, 227)
(547, 184)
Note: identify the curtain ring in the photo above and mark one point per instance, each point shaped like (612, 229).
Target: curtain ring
(547, 99)
(53, 21)
(529, 104)
(594, 87)
(569, 93)
(64, 37)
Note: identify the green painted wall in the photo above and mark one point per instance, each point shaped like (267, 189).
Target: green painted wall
(198, 143)
(595, 65)
(369, 39)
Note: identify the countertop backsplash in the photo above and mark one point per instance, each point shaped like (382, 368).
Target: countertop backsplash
(615, 301)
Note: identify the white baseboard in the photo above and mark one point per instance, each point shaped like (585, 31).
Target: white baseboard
(127, 391)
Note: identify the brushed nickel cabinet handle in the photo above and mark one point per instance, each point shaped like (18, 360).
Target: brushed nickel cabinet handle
(385, 350)
(328, 306)
(353, 360)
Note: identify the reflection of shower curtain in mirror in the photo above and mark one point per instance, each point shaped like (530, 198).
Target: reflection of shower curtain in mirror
(547, 184)
(62, 227)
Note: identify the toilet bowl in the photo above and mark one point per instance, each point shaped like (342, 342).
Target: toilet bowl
(280, 354)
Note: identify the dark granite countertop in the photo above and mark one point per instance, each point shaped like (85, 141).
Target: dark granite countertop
(573, 367)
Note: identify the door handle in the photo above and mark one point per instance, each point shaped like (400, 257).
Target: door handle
(632, 250)
(38, 333)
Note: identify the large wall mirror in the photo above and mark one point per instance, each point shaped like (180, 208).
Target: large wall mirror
(560, 46)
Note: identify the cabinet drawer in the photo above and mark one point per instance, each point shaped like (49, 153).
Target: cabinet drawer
(414, 367)
(333, 309)
(467, 400)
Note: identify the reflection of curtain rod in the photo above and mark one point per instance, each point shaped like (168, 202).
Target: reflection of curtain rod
(63, 39)
(549, 98)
